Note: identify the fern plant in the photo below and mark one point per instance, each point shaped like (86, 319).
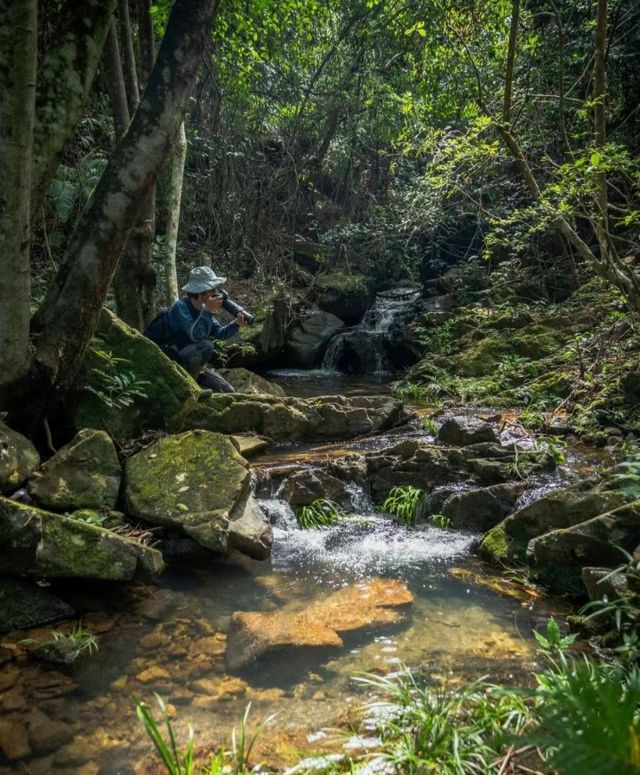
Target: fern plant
(322, 513)
(405, 503)
(116, 388)
(441, 521)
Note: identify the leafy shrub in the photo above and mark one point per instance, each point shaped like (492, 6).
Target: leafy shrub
(117, 388)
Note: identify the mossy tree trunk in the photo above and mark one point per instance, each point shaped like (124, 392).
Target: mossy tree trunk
(18, 55)
(65, 77)
(69, 314)
(135, 279)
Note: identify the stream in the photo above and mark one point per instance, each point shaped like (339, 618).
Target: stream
(171, 638)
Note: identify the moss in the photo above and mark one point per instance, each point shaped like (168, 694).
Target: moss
(496, 545)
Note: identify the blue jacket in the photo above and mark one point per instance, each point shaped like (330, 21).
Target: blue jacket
(189, 325)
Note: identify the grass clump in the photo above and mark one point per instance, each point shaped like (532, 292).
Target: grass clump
(404, 503)
(322, 513)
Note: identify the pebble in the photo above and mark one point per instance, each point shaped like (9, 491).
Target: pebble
(153, 675)
(14, 739)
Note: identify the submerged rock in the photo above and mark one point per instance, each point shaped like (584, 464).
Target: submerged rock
(294, 419)
(84, 474)
(39, 543)
(556, 509)
(18, 459)
(24, 605)
(462, 431)
(256, 634)
(198, 484)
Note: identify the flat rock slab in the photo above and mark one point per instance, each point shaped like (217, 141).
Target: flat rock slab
(373, 603)
(249, 445)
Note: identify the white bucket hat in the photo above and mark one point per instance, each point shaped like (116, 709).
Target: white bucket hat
(202, 279)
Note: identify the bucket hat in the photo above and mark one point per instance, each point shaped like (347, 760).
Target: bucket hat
(201, 279)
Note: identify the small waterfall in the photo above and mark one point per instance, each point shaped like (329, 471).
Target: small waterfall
(368, 347)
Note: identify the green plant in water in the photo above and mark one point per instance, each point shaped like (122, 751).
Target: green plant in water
(428, 425)
(321, 513)
(117, 388)
(77, 641)
(440, 520)
(180, 761)
(404, 502)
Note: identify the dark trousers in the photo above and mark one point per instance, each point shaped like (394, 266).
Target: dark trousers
(194, 357)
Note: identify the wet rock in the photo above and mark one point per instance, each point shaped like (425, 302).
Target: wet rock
(294, 419)
(307, 342)
(600, 583)
(347, 296)
(84, 474)
(372, 603)
(309, 484)
(245, 381)
(62, 652)
(462, 431)
(489, 472)
(18, 459)
(14, 739)
(169, 388)
(251, 533)
(560, 554)
(248, 446)
(24, 605)
(194, 482)
(39, 543)
(428, 467)
(154, 675)
(556, 509)
(477, 509)
(46, 734)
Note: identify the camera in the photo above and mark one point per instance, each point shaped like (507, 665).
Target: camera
(233, 308)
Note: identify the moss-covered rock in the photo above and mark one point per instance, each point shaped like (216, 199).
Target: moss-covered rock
(245, 381)
(556, 509)
(294, 419)
(168, 390)
(194, 482)
(346, 295)
(559, 555)
(24, 605)
(39, 543)
(306, 343)
(18, 459)
(84, 474)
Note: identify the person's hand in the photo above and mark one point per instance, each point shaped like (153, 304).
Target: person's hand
(214, 303)
(240, 320)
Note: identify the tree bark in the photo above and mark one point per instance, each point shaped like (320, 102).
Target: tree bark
(18, 56)
(64, 80)
(173, 215)
(115, 83)
(599, 116)
(70, 315)
(511, 58)
(135, 279)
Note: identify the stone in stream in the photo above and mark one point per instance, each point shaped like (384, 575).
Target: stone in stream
(560, 508)
(245, 381)
(306, 342)
(18, 459)
(560, 555)
(43, 544)
(294, 419)
(462, 431)
(197, 483)
(480, 508)
(256, 634)
(84, 474)
(24, 605)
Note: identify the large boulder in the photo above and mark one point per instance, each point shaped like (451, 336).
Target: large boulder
(198, 484)
(462, 431)
(308, 484)
(294, 419)
(410, 463)
(480, 508)
(560, 555)
(245, 381)
(266, 337)
(84, 474)
(39, 543)
(560, 508)
(167, 391)
(307, 342)
(374, 603)
(345, 295)
(18, 459)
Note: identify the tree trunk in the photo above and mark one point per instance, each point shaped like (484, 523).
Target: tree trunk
(511, 58)
(115, 83)
(18, 55)
(70, 314)
(599, 97)
(135, 279)
(173, 215)
(64, 80)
